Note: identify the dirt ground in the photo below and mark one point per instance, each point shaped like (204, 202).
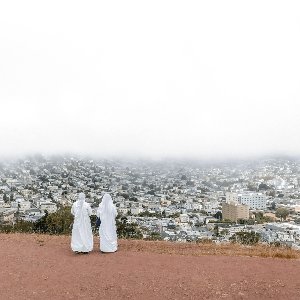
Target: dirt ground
(44, 267)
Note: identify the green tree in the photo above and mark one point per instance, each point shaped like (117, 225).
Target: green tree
(60, 222)
(5, 198)
(128, 230)
(263, 186)
(41, 225)
(19, 226)
(216, 230)
(154, 236)
(282, 213)
(245, 238)
(224, 232)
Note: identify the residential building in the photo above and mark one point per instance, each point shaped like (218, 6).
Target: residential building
(233, 211)
(7, 215)
(253, 200)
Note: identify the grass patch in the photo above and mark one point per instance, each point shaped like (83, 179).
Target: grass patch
(200, 249)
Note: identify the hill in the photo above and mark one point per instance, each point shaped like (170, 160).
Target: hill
(43, 267)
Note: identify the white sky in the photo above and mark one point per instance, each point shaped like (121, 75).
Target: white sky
(150, 78)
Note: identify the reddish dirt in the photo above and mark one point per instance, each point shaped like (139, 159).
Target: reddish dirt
(44, 267)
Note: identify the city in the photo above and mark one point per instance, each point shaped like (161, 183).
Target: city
(167, 200)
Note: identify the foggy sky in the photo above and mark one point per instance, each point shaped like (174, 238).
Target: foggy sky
(150, 78)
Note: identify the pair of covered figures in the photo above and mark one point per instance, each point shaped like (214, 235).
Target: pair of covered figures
(82, 236)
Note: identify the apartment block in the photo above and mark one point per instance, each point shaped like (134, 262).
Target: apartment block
(233, 211)
(253, 200)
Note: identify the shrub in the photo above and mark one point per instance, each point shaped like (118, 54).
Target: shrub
(128, 230)
(245, 238)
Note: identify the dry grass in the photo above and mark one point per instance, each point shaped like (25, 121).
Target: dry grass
(209, 249)
(162, 247)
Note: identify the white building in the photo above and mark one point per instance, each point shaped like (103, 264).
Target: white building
(7, 215)
(253, 200)
(232, 197)
(123, 210)
(136, 210)
(184, 218)
(21, 204)
(50, 207)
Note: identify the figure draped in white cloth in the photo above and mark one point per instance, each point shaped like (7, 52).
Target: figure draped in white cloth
(82, 236)
(107, 213)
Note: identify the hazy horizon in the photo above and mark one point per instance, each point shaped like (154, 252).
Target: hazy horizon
(165, 79)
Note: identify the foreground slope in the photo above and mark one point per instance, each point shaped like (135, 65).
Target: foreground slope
(43, 267)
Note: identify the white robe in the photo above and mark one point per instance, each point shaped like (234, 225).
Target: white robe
(107, 229)
(82, 236)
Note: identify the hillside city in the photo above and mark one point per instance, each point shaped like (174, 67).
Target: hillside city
(169, 200)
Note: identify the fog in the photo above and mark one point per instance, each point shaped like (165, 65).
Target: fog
(198, 79)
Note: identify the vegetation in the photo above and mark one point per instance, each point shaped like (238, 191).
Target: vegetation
(263, 187)
(154, 236)
(216, 230)
(282, 213)
(208, 247)
(149, 214)
(61, 222)
(20, 226)
(175, 215)
(128, 230)
(56, 223)
(245, 238)
(260, 218)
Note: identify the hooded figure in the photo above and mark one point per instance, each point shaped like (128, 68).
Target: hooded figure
(82, 236)
(107, 213)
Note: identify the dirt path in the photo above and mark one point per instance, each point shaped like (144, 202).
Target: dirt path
(43, 267)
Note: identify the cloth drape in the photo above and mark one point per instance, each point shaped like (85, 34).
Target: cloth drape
(107, 213)
(82, 236)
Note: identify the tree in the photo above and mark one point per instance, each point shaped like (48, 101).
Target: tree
(175, 215)
(218, 215)
(272, 193)
(151, 192)
(154, 236)
(216, 230)
(59, 222)
(128, 230)
(41, 225)
(224, 232)
(203, 212)
(282, 213)
(263, 186)
(5, 198)
(251, 188)
(19, 226)
(245, 238)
